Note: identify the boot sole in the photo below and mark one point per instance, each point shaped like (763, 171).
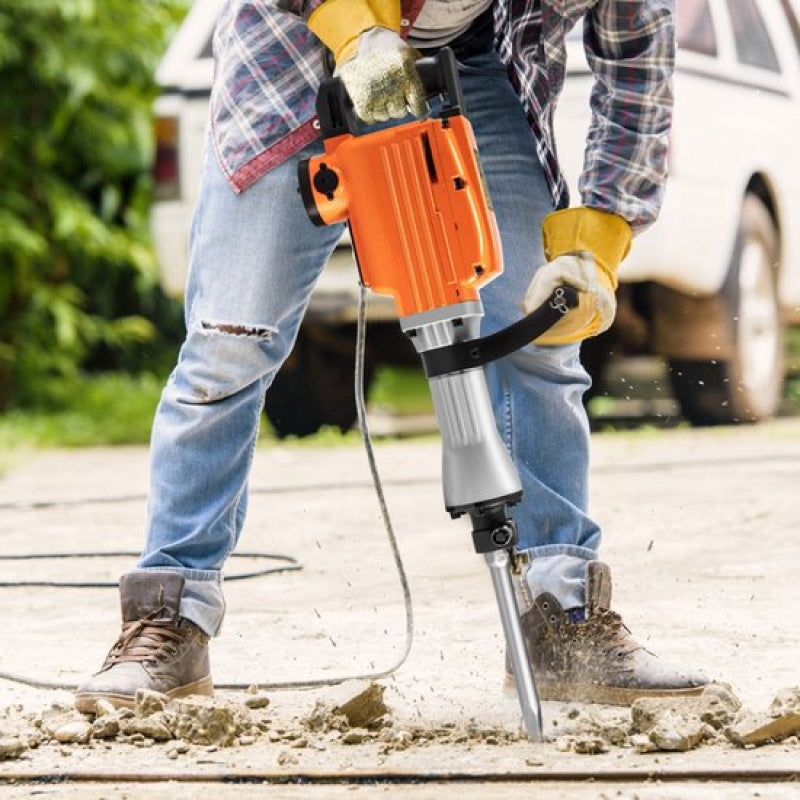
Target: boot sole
(86, 702)
(605, 695)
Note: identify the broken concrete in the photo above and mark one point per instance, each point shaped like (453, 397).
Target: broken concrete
(781, 721)
(11, 747)
(257, 702)
(590, 745)
(716, 706)
(201, 720)
(363, 708)
(652, 725)
(642, 743)
(355, 714)
(159, 726)
(761, 729)
(147, 702)
(353, 704)
(105, 727)
(584, 726)
(787, 701)
(78, 732)
(56, 717)
(356, 736)
(682, 723)
(679, 731)
(103, 707)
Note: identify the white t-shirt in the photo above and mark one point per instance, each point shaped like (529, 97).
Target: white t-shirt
(441, 21)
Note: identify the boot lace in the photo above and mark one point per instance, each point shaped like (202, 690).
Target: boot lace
(593, 647)
(147, 640)
(602, 646)
(606, 629)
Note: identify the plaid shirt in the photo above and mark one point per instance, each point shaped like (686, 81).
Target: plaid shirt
(269, 65)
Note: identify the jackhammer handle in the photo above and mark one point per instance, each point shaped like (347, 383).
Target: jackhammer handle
(439, 75)
(473, 353)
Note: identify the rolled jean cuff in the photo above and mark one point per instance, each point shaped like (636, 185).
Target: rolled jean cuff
(559, 570)
(202, 600)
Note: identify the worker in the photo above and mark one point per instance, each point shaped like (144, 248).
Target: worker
(255, 256)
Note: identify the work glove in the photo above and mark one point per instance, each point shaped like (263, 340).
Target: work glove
(584, 248)
(372, 59)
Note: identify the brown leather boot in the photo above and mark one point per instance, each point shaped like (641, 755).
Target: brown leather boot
(157, 649)
(595, 659)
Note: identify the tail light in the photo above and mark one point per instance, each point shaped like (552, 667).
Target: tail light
(166, 171)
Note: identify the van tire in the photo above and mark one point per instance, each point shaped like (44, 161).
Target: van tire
(747, 386)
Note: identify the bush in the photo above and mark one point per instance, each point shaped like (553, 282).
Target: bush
(78, 279)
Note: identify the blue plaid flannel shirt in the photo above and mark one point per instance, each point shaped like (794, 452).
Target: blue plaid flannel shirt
(269, 65)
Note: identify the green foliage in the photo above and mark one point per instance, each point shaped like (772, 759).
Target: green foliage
(401, 390)
(115, 408)
(106, 409)
(78, 280)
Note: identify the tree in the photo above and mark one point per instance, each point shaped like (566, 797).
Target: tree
(77, 272)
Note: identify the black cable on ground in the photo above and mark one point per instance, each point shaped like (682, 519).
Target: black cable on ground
(291, 564)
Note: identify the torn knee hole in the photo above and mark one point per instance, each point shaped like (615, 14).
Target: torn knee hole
(260, 332)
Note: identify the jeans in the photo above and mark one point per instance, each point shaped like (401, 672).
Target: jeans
(254, 259)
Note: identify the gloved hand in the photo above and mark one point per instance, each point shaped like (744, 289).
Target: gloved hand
(372, 59)
(584, 248)
(381, 78)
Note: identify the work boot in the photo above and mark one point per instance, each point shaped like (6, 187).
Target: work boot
(588, 655)
(157, 649)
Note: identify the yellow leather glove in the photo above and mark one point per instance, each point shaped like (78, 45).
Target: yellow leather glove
(584, 248)
(372, 59)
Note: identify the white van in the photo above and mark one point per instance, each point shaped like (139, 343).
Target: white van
(710, 287)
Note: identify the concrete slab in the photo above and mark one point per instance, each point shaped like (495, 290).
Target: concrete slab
(700, 532)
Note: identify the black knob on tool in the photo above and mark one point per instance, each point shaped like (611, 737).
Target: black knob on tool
(326, 181)
(502, 537)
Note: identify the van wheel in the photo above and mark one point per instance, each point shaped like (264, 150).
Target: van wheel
(746, 387)
(314, 388)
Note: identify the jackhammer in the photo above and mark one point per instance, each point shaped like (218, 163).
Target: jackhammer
(424, 232)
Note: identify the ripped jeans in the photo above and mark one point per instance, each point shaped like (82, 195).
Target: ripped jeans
(254, 259)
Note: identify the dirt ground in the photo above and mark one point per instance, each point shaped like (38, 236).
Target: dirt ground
(701, 534)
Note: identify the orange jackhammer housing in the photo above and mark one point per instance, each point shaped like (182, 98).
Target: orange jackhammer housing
(420, 215)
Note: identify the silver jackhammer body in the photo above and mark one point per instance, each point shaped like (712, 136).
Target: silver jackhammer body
(478, 476)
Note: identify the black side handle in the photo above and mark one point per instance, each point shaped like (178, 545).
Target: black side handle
(479, 352)
(439, 76)
(335, 109)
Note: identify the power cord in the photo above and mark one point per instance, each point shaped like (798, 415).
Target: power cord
(291, 564)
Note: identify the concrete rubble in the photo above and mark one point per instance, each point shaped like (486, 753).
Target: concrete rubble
(365, 707)
(356, 714)
(779, 723)
(682, 723)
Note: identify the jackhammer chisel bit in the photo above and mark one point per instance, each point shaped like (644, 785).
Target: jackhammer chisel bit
(499, 562)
